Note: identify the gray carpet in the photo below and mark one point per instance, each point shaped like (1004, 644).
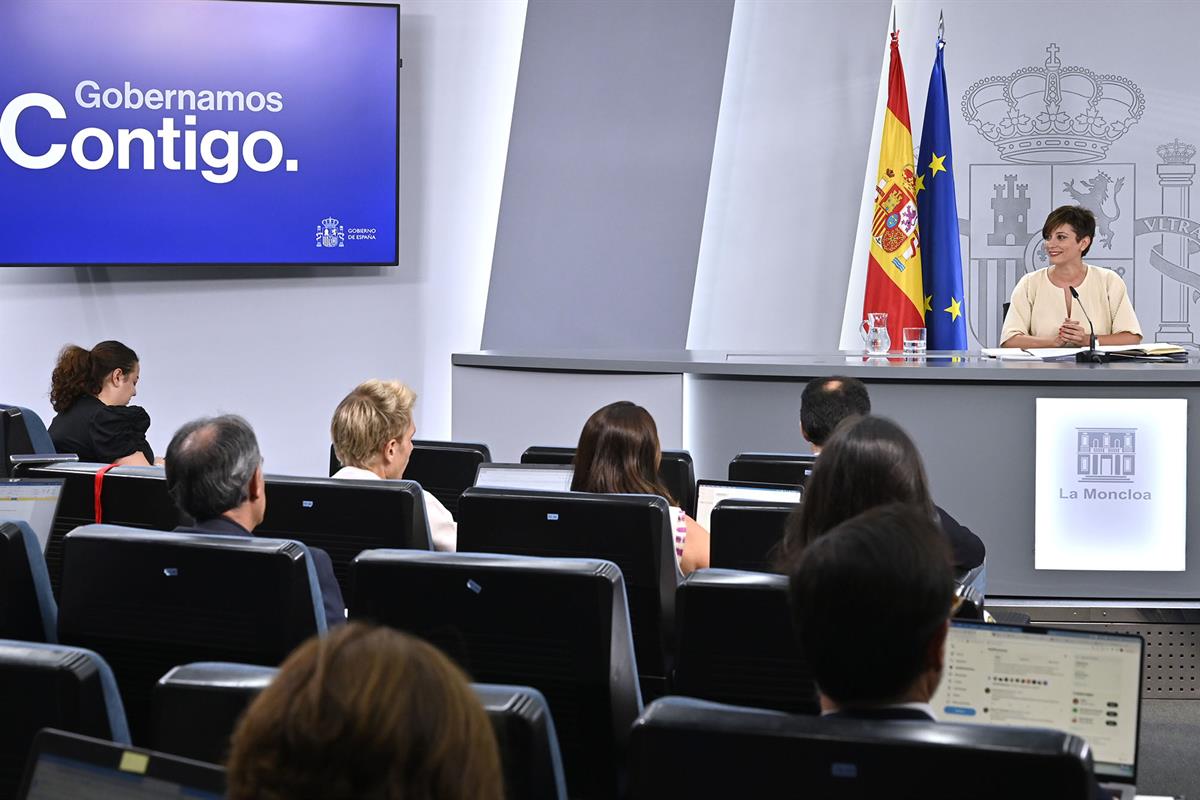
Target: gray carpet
(1169, 748)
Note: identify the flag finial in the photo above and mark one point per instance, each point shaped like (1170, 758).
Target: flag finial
(941, 27)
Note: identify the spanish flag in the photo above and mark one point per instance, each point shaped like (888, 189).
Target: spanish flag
(894, 266)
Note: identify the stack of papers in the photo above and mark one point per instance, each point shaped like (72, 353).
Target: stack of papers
(1144, 352)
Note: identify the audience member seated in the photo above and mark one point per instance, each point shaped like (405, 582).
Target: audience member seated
(366, 712)
(871, 605)
(214, 474)
(825, 403)
(619, 453)
(91, 390)
(372, 432)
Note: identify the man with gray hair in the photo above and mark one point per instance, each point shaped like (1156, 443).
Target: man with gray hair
(214, 474)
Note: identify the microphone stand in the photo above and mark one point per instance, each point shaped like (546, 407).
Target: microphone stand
(1091, 355)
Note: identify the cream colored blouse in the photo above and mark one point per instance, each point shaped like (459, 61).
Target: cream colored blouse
(1038, 307)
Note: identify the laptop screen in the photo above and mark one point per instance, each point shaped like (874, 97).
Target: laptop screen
(67, 766)
(32, 501)
(537, 477)
(709, 493)
(1080, 682)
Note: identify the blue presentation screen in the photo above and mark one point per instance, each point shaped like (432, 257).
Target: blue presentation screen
(198, 132)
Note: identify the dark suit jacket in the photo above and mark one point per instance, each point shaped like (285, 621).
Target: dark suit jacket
(968, 548)
(331, 592)
(915, 714)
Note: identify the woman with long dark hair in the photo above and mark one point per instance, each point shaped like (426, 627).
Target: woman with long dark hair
(619, 453)
(91, 390)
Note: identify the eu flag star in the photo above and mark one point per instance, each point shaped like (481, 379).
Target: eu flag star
(929, 302)
(920, 184)
(937, 165)
(955, 309)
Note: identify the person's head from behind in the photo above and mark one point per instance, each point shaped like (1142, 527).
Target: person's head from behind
(871, 604)
(619, 451)
(1068, 233)
(213, 466)
(373, 428)
(365, 712)
(109, 372)
(868, 461)
(826, 402)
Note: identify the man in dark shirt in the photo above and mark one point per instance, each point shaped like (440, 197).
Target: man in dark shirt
(214, 473)
(873, 660)
(825, 403)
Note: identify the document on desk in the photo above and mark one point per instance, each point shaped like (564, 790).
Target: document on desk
(1009, 354)
(1153, 351)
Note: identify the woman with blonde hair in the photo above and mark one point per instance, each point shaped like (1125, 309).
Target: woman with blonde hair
(372, 432)
(365, 712)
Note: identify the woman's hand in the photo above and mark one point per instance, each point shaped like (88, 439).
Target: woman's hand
(1072, 334)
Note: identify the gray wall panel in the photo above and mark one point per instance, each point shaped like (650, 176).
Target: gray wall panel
(607, 175)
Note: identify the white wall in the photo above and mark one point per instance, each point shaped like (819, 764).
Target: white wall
(282, 346)
(796, 113)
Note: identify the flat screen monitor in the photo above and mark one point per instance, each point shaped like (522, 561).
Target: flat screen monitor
(32, 501)
(65, 766)
(709, 493)
(535, 477)
(199, 132)
(1084, 683)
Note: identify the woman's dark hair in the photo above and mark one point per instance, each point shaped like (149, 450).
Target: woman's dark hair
(867, 462)
(79, 372)
(618, 452)
(1081, 220)
(365, 712)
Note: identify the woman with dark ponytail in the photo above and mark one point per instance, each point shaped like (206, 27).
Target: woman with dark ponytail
(91, 390)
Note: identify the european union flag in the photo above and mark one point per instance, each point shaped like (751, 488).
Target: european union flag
(941, 254)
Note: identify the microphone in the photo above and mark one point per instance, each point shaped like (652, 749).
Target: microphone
(1092, 356)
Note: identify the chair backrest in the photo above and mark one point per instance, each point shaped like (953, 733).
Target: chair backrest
(22, 432)
(744, 752)
(676, 470)
(197, 706)
(790, 468)
(52, 686)
(133, 497)
(149, 600)
(27, 608)
(444, 469)
(341, 517)
(558, 625)
(743, 534)
(346, 517)
(631, 530)
(736, 642)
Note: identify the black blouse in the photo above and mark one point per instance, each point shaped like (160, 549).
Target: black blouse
(98, 432)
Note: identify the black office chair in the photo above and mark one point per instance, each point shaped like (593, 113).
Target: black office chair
(22, 432)
(52, 686)
(677, 471)
(789, 468)
(558, 625)
(444, 469)
(27, 607)
(197, 706)
(132, 497)
(633, 531)
(736, 642)
(744, 534)
(149, 600)
(681, 747)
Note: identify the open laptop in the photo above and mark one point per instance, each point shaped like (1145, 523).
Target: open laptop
(709, 493)
(33, 501)
(538, 477)
(1080, 682)
(67, 766)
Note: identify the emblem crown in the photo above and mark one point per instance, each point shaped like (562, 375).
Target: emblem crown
(1052, 113)
(1176, 152)
(330, 223)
